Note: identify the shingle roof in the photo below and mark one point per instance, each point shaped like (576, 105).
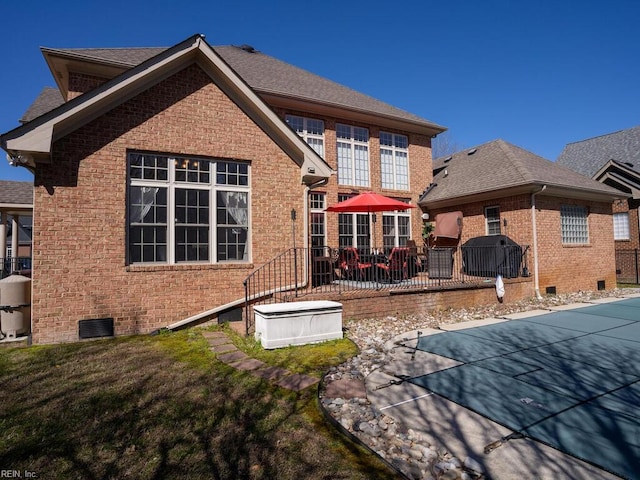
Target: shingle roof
(12, 192)
(126, 57)
(263, 73)
(49, 98)
(588, 156)
(500, 165)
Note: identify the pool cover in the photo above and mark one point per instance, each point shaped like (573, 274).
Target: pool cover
(568, 379)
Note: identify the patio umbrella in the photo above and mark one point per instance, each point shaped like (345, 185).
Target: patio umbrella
(369, 202)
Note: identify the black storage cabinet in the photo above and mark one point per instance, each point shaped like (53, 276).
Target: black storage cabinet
(492, 255)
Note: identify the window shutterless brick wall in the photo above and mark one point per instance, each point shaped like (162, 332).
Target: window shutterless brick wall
(80, 269)
(420, 172)
(569, 268)
(79, 257)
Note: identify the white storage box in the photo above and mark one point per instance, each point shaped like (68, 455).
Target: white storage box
(298, 323)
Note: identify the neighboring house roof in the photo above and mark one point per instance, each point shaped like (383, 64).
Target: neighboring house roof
(32, 142)
(621, 176)
(16, 193)
(48, 99)
(16, 198)
(267, 75)
(612, 159)
(497, 169)
(588, 156)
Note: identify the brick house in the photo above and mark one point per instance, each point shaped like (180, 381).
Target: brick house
(134, 140)
(614, 159)
(563, 216)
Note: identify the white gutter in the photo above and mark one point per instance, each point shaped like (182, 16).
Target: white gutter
(536, 282)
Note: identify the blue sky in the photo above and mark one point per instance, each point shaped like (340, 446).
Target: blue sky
(539, 74)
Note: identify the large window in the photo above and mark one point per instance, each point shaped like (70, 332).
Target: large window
(396, 230)
(353, 228)
(394, 161)
(310, 129)
(621, 226)
(353, 155)
(574, 226)
(492, 217)
(183, 209)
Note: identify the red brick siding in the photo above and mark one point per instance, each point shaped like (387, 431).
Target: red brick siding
(634, 235)
(568, 268)
(80, 212)
(573, 267)
(80, 83)
(420, 172)
(379, 304)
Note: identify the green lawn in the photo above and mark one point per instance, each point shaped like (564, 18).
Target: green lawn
(164, 407)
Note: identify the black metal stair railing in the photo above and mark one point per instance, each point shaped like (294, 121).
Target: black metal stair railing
(326, 271)
(276, 281)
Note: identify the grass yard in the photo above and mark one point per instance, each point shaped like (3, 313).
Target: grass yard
(163, 407)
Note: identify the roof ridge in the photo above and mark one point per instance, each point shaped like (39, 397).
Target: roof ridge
(101, 48)
(16, 181)
(506, 147)
(603, 135)
(282, 79)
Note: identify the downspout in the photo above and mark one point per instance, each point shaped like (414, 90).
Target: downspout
(536, 282)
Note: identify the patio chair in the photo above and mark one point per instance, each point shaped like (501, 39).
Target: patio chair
(352, 267)
(396, 267)
(415, 260)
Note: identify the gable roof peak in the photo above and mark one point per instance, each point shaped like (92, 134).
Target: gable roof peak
(33, 141)
(282, 83)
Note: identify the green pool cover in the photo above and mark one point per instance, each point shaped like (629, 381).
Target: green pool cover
(568, 379)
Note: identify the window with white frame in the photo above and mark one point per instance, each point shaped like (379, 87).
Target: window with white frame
(394, 161)
(492, 217)
(310, 129)
(621, 226)
(187, 209)
(573, 223)
(353, 228)
(353, 155)
(318, 222)
(396, 229)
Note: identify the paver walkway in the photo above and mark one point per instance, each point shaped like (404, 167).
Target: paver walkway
(228, 353)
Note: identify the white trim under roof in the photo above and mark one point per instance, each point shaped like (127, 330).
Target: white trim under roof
(629, 178)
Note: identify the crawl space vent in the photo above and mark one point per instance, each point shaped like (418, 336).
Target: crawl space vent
(95, 328)
(551, 290)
